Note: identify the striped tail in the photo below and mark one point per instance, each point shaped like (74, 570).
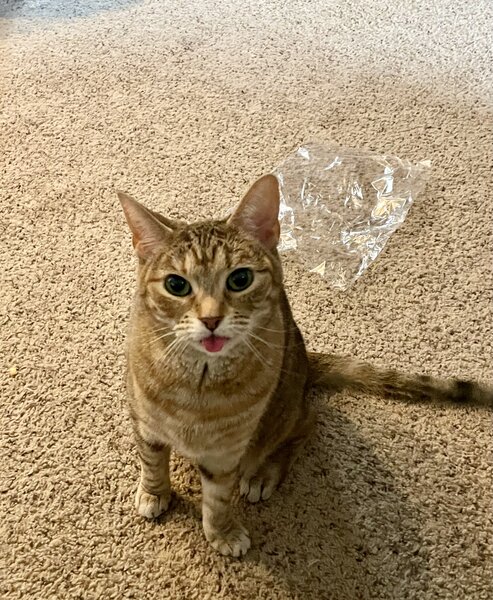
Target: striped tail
(338, 372)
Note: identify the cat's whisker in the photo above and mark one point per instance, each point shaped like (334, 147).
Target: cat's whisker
(268, 329)
(179, 349)
(150, 334)
(257, 353)
(185, 346)
(174, 347)
(170, 331)
(290, 344)
(162, 337)
(270, 344)
(168, 352)
(160, 329)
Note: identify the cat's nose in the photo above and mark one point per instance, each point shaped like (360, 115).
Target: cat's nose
(211, 322)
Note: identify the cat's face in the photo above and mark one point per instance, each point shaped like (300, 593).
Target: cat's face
(210, 287)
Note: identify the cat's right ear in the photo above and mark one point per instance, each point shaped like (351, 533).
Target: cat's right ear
(149, 232)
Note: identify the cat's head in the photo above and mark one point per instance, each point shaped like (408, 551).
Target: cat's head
(209, 286)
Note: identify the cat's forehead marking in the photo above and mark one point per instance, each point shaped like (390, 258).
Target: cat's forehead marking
(213, 245)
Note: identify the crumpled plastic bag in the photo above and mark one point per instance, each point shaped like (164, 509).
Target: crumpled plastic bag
(339, 206)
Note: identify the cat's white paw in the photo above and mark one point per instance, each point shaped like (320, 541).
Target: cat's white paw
(151, 506)
(234, 542)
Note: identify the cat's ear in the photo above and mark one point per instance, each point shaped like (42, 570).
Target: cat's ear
(149, 229)
(258, 212)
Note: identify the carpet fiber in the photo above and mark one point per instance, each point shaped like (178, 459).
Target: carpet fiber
(183, 104)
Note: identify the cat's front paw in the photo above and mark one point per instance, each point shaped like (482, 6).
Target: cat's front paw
(151, 506)
(234, 541)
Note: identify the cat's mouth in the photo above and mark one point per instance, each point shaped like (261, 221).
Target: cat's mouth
(214, 343)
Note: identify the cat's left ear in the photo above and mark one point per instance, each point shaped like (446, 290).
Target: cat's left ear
(149, 229)
(258, 212)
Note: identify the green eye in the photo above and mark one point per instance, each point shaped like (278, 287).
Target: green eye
(239, 280)
(176, 285)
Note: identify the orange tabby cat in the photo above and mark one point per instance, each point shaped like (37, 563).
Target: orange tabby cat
(217, 368)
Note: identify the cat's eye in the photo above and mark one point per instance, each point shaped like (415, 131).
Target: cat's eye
(177, 285)
(240, 280)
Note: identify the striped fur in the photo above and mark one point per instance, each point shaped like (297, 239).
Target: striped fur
(338, 372)
(240, 414)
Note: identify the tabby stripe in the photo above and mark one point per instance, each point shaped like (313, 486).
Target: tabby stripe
(217, 477)
(153, 446)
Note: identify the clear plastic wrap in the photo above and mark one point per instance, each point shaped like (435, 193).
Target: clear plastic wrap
(339, 207)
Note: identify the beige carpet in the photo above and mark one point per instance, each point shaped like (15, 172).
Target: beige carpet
(182, 104)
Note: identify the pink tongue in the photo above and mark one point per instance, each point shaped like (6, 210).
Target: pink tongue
(214, 343)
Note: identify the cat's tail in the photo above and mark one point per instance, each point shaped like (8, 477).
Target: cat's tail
(338, 372)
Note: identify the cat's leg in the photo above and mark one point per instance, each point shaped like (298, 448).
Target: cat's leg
(154, 491)
(271, 473)
(261, 475)
(224, 532)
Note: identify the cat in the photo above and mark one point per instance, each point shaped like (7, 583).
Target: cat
(217, 368)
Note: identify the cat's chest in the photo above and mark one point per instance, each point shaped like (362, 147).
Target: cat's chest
(196, 422)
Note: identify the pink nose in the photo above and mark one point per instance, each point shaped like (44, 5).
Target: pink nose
(211, 322)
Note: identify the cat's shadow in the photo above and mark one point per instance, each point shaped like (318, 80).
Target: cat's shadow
(339, 523)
